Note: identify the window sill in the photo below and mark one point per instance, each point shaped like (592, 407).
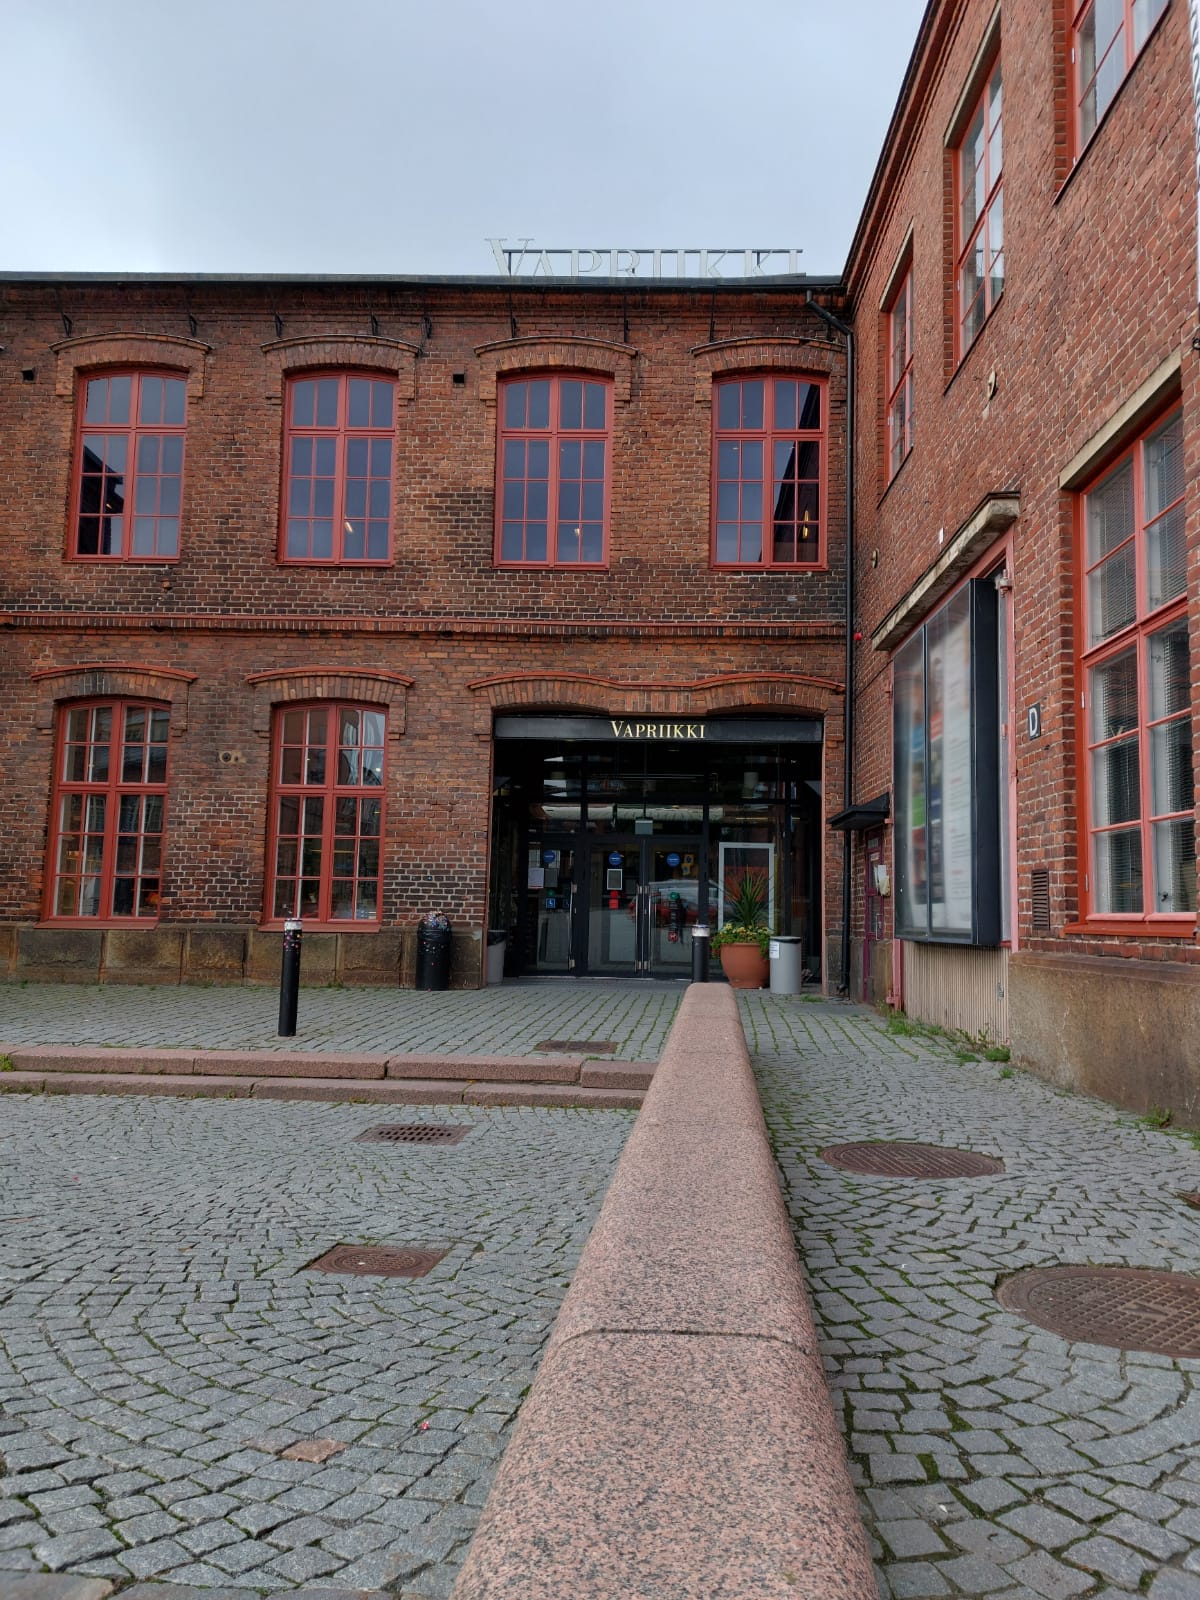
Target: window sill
(1177, 927)
(781, 569)
(100, 924)
(974, 345)
(325, 565)
(348, 925)
(550, 566)
(121, 561)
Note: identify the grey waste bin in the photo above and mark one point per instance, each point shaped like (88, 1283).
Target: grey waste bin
(787, 959)
(496, 941)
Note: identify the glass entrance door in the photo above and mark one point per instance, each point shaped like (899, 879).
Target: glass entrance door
(644, 897)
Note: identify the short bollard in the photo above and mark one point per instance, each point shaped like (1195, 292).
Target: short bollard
(289, 980)
(700, 934)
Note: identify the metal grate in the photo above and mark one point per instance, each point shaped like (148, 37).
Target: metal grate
(1126, 1308)
(1040, 891)
(415, 1133)
(909, 1161)
(376, 1261)
(594, 1047)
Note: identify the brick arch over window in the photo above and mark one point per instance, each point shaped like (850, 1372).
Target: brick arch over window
(129, 350)
(815, 357)
(345, 352)
(536, 353)
(118, 681)
(273, 689)
(792, 693)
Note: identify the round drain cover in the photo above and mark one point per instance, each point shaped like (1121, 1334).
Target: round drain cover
(909, 1161)
(1128, 1308)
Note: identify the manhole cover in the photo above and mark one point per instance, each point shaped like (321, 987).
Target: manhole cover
(909, 1161)
(1129, 1308)
(415, 1133)
(594, 1047)
(376, 1261)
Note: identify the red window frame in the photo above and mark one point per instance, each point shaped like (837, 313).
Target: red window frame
(1100, 66)
(127, 480)
(751, 527)
(979, 212)
(899, 343)
(1134, 687)
(338, 469)
(325, 839)
(108, 813)
(553, 470)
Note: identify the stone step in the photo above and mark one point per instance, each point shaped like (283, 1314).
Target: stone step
(93, 1060)
(402, 1091)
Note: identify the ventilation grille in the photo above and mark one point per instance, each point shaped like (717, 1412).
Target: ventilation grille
(1041, 900)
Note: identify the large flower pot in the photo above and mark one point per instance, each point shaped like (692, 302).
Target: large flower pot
(744, 966)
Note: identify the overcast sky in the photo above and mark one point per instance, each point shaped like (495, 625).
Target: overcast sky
(397, 136)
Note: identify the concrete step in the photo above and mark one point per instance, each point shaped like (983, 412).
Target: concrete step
(95, 1061)
(398, 1092)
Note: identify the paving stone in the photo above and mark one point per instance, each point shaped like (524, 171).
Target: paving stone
(1172, 1585)
(70, 1549)
(40, 1586)
(1041, 1526)
(1117, 1562)
(911, 1538)
(915, 1580)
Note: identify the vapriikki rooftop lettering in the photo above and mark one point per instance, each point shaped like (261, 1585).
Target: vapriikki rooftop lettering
(525, 259)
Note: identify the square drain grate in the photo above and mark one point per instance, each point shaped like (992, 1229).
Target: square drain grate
(415, 1133)
(376, 1261)
(593, 1047)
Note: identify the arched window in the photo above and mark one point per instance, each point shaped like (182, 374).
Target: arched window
(106, 837)
(327, 781)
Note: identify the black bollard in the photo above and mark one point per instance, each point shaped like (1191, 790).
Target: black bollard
(700, 935)
(289, 980)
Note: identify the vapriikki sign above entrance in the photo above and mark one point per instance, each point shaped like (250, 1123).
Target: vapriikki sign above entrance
(525, 259)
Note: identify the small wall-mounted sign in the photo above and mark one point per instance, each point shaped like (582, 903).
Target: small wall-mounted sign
(1033, 721)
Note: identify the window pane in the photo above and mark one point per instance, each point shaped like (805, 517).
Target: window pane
(785, 404)
(358, 412)
(1118, 874)
(1116, 789)
(1164, 467)
(327, 402)
(1169, 671)
(304, 400)
(1174, 867)
(1166, 558)
(729, 405)
(1114, 697)
(1172, 787)
(516, 400)
(539, 404)
(752, 403)
(570, 405)
(382, 404)
(594, 407)
(1145, 14)
(1112, 595)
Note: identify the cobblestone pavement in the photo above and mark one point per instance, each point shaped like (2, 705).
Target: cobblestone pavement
(508, 1019)
(161, 1342)
(992, 1458)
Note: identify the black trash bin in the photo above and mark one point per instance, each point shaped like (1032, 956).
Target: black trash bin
(433, 956)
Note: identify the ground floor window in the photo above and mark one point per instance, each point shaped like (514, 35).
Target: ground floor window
(327, 768)
(108, 810)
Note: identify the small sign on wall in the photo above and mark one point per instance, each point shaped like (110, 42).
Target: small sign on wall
(1033, 720)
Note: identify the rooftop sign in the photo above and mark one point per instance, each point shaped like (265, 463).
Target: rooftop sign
(525, 259)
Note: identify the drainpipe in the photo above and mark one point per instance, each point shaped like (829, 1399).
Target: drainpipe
(848, 772)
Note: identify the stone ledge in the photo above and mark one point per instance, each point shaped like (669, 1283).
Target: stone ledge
(679, 1438)
(491, 1069)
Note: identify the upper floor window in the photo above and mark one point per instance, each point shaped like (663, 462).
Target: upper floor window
(768, 469)
(1107, 36)
(1136, 672)
(553, 472)
(900, 375)
(326, 813)
(979, 162)
(338, 490)
(106, 835)
(129, 467)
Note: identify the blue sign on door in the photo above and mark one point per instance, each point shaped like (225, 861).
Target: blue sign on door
(549, 857)
(615, 858)
(673, 859)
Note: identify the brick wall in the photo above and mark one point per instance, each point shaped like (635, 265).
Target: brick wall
(1100, 292)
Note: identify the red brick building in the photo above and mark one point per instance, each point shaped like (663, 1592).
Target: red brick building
(361, 598)
(1023, 285)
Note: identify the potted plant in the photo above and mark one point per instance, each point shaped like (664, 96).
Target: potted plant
(744, 939)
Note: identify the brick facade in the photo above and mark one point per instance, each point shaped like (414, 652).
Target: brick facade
(1093, 333)
(440, 637)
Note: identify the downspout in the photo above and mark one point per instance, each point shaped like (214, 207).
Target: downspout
(848, 730)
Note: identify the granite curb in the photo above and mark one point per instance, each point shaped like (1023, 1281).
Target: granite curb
(679, 1439)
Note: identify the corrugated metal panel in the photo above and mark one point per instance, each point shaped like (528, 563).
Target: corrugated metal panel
(958, 987)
